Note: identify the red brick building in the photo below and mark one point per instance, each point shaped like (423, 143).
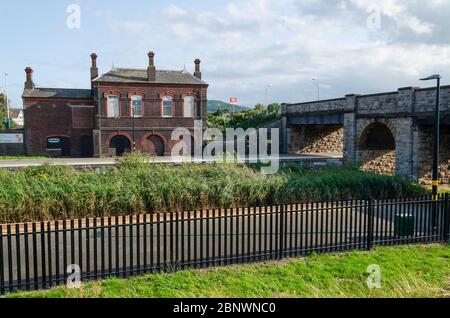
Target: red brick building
(124, 107)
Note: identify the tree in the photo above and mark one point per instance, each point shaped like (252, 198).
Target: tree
(3, 117)
(274, 108)
(2, 111)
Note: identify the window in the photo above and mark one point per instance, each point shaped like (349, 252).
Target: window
(136, 106)
(167, 107)
(188, 106)
(113, 106)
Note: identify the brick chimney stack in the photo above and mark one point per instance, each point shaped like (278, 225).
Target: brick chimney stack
(29, 83)
(151, 70)
(94, 69)
(197, 73)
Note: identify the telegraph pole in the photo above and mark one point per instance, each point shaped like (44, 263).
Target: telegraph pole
(8, 123)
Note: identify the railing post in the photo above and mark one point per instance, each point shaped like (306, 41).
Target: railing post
(370, 216)
(446, 224)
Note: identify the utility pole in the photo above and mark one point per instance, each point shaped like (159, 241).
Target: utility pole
(100, 150)
(8, 123)
(317, 80)
(265, 97)
(134, 126)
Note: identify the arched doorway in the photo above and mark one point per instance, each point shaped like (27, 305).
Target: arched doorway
(154, 145)
(59, 146)
(120, 145)
(376, 149)
(87, 146)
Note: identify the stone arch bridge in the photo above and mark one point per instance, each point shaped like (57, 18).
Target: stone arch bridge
(386, 133)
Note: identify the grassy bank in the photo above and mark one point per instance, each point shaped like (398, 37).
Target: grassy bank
(50, 192)
(407, 271)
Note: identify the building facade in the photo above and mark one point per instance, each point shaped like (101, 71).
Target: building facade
(124, 109)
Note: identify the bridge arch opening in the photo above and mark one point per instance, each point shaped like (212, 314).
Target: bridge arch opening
(320, 139)
(377, 149)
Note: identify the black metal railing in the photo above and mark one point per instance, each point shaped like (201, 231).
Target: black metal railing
(38, 255)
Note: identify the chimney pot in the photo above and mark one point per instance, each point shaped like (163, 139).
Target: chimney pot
(29, 78)
(151, 70)
(197, 72)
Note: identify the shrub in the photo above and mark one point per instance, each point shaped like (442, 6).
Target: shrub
(50, 192)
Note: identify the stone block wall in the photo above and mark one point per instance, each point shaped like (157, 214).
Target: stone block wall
(379, 161)
(404, 112)
(317, 139)
(425, 157)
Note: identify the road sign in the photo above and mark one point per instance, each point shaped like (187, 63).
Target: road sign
(11, 138)
(233, 100)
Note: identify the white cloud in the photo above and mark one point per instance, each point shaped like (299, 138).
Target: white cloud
(246, 45)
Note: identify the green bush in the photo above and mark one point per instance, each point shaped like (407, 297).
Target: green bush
(50, 192)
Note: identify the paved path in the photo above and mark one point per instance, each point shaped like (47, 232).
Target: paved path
(100, 162)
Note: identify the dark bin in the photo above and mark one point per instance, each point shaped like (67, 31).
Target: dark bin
(404, 224)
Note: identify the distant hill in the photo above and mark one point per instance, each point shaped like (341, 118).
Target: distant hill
(215, 105)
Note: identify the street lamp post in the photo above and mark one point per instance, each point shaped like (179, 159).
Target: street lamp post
(8, 118)
(317, 80)
(265, 96)
(134, 127)
(437, 118)
(437, 123)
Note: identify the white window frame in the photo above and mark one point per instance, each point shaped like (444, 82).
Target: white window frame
(189, 106)
(108, 112)
(165, 98)
(139, 97)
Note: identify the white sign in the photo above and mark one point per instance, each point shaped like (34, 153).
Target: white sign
(11, 138)
(54, 140)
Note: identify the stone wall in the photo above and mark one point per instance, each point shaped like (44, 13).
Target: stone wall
(379, 161)
(406, 112)
(425, 159)
(317, 139)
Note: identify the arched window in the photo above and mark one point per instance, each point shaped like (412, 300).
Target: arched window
(188, 106)
(112, 106)
(136, 106)
(167, 106)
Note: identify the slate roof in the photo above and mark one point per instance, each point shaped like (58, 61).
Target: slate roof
(126, 75)
(57, 93)
(15, 112)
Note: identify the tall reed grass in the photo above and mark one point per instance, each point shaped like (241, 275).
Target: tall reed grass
(55, 192)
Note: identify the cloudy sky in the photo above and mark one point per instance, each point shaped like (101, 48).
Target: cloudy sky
(353, 46)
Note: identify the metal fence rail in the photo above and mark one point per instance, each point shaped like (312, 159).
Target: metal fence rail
(37, 255)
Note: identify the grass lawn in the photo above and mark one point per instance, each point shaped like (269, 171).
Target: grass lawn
(407, 271)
